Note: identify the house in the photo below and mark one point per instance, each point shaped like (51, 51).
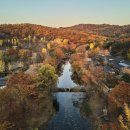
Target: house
(124, 64)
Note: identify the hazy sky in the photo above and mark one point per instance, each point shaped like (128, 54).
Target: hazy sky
(65, 12)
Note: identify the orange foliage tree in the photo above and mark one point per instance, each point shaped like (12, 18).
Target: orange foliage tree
(121, 93)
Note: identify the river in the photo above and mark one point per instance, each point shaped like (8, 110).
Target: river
(68, 116)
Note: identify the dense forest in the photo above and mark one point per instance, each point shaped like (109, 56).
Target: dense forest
(79, 33)
(103, 29)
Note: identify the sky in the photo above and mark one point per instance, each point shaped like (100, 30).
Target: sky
(63, 13)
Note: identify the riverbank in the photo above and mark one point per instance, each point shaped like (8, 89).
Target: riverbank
(96, 104)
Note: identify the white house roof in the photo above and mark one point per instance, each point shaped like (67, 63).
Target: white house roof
(124, 65)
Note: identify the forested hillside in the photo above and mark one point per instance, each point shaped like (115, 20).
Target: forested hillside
(77, 33)
(103, 29)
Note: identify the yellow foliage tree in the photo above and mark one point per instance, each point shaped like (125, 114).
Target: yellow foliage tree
(2, 66)
(1, 54)
(124, 119)
(91, 45)
(1, 42)
(48, 46)
(65, 41)
(9, 67)
(23, 53)
(44, 50)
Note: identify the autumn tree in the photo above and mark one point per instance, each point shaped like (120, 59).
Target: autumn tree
(81, 49)
(77, 61)
(2, 66)
(72, 47)
(23, 83)
(120, 94)
(59, 53)
(77, 66)
(12, 51)
(6, 125)
(1, 42)
(10, 55)
(50, 60)
(24, 54)
(1, 55)
(124, 118)
(19, 79)
(47, 75)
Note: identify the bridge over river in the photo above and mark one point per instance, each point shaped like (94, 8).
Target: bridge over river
(67, 89)
(69, 96)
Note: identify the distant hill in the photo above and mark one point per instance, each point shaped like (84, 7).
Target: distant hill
(102, 29)
(24, 30)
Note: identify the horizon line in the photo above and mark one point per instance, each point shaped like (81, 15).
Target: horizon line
(66, 25)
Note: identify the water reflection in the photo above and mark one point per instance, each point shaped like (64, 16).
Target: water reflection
(68, 117)
(65, 80)
(55, 103)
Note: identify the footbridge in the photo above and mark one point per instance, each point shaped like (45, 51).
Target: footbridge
(74, 89)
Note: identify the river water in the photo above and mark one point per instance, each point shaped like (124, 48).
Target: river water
(68, 116)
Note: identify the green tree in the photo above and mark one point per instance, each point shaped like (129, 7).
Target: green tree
(47, 75)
